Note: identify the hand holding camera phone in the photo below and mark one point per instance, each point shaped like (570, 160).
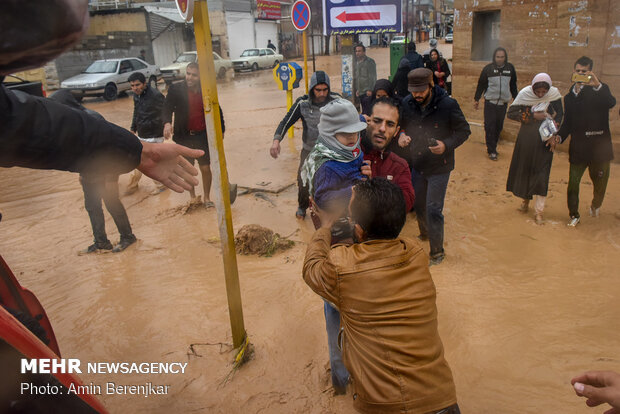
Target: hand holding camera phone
(580, 78)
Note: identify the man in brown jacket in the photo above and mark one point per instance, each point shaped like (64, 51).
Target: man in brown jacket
(388, 318)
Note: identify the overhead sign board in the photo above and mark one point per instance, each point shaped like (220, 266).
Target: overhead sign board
(300, 15)
(348, 17)
(268, 10)
(186, 8)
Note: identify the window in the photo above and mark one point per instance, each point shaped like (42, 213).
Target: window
(485, 34)
(269, 52)
(125, 67)
(137, 65)
(215, 56)
(262, 52)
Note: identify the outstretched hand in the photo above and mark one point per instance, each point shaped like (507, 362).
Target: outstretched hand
(599, 387)
(165, 163)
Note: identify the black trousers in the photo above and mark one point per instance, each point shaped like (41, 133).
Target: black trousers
(494, 116)
(303, 195)
(106, 189)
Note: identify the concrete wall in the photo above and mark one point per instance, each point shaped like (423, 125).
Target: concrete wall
(541, 36)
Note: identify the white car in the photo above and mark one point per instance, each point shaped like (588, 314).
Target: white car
(109, 77)
(448, 38)
(397, 40)
(176, 70)
(254, 59)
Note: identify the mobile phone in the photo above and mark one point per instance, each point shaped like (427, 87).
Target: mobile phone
(432, 142)
(579, 78)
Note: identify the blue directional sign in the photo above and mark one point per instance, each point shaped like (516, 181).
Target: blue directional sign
(288, 75)
(348, 17)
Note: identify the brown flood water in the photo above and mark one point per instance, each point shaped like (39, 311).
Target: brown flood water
(522, 308)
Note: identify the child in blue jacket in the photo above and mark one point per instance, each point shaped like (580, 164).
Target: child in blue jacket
(334, 164)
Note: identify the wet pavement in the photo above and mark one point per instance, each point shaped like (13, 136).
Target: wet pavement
(522, 307)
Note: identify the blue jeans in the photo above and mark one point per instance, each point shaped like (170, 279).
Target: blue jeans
(340, 375)
(430, 192)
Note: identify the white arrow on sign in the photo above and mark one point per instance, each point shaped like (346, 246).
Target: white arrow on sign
(355, 16)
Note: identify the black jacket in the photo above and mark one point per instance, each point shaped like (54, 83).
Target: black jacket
(40, 133)
(147, 114)
(177, 102)
(443, 120)
(586, 120)
(444, 68)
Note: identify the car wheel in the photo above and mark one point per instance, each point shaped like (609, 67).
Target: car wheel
(110, 92)
(275, 63)
(255, 67)
(221, 73)
(153, 82)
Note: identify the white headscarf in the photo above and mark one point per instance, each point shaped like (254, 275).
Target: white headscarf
(527, 97)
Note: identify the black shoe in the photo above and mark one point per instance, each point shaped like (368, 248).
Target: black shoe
(437, 258)
(124, 243)
(300, 213)
(232, 193)
(96, 248)
(493, 156)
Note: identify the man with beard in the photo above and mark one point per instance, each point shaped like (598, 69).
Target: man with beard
(383, 125)
(184, 99)
(434, 127)
(307, 108)
(498, 82)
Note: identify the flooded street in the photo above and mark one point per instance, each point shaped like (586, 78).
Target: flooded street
(522, 308)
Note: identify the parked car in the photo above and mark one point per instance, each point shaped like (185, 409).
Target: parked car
(398, 40)
(109, 77)
(176, 70)
(448, 38)
(254, 59)
(18, 84)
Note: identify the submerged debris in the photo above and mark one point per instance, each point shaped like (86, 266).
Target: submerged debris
(255, 239)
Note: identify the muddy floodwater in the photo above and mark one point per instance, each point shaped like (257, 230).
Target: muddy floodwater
(522, 307)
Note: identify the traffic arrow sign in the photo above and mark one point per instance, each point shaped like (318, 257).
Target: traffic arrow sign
(344, 17)
(363, 16)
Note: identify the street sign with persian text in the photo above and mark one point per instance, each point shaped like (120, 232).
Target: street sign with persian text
(348, 17)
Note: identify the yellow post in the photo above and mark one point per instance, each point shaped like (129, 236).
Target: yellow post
(289, 103)
(220, 174)
(305, 40)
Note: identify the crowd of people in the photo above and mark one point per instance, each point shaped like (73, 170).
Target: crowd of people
(361, 173)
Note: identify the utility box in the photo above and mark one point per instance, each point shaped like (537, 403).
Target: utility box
(397, 51)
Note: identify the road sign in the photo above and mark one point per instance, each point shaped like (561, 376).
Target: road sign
(287, 75)
(347, 17)
(186, 9)
(300, 15)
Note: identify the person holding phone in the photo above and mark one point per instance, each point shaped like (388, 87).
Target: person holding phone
(586, 120)
(433, 127)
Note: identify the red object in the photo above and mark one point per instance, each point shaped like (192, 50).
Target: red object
(348, 17)
(394, 168)
(268, 10)
(196, 120)
(14, 296)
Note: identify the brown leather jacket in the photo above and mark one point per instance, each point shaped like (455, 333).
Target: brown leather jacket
(388, 321)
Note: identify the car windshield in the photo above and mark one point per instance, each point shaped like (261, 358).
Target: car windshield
(186, 58)
(250, 52)
(102, 66)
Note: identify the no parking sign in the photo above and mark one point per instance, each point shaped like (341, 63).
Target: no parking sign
(300, 15)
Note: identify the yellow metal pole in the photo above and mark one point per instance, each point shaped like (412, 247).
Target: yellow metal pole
(305, 40)
(220, 174)
(289, 103)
